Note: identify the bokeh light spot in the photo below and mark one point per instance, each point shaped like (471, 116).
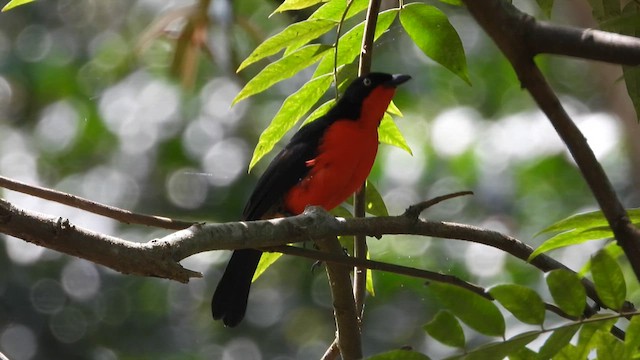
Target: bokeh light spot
(483, 260)
(225, 161)
(47, 296)
(18, 342)
(80, 279)
(57, 127)
(22, 252)
(216, 98)
(33, 43)
(241, 348)
(68, 325)
(187, 189)
(454, 130)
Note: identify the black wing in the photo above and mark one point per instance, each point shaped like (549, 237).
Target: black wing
(286, 170)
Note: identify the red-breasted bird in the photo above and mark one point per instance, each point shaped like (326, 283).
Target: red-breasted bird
(325, 162)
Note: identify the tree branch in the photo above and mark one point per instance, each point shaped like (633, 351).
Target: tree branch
(344, 307)
(497, 15)
(112, 212)
(546, 38)
(160, 257)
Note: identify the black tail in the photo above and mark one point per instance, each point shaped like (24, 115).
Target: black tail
(229, 302)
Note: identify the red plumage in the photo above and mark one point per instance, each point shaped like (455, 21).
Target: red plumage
(324, 163)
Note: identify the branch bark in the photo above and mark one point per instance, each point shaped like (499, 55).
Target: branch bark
(504, 24)
(546, 38)
(160, 257)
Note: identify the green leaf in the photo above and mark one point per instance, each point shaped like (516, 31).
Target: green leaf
(282, 69)
(524, 303)
(15, 3)
(319, 111)
(474, 310)
(295, 5)
(499, 350)
(393, 109)
(558, 340)
(609, 280)
(304, 30)
(399, 355)
(266, 260)
(587, 337)
(632, 338)
(334, 9)
(608, 347)
(612, 248)
(446, 329)
(374, 203)
(579, 228)
(388, 133)
(569, 352)
(370, 288)
(452, 2)
(546, 6)
(523, 353)
(573, 237)
(567, 291)
(431, 31)
(293, 108)
(584, 221)
(351, 42)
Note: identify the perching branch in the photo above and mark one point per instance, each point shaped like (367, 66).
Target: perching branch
(160, 257)
(497, 15)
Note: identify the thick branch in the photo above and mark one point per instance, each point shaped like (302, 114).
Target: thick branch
(127, 257)
(495, 17)
(160, 257)
(546, 38)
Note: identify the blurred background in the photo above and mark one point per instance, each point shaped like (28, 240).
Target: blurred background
(128, 103)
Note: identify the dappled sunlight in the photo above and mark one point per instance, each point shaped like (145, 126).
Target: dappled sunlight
(186, 190)
(19, 341)
(454, 131)
(92, 104)
(63, 117)
(225, 161)
(47, 296)
(21, 252)
(80, 280)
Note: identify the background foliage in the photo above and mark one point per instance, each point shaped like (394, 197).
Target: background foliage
(129, 103)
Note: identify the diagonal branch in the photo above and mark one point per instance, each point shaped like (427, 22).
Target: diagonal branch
(112, 212)
(495, 16)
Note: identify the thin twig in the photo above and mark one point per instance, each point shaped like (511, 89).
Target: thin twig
(359, 202)
(112, 212)
(414, 211)
(333, 351)
(381, 266)
(335, 53)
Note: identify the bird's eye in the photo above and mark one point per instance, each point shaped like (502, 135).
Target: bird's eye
(366, 82)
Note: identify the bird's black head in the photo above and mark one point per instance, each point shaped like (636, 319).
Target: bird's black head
(350, 104)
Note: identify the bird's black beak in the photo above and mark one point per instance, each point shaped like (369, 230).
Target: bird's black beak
(397, 79)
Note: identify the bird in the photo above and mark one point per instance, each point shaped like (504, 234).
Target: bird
(324, 163)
